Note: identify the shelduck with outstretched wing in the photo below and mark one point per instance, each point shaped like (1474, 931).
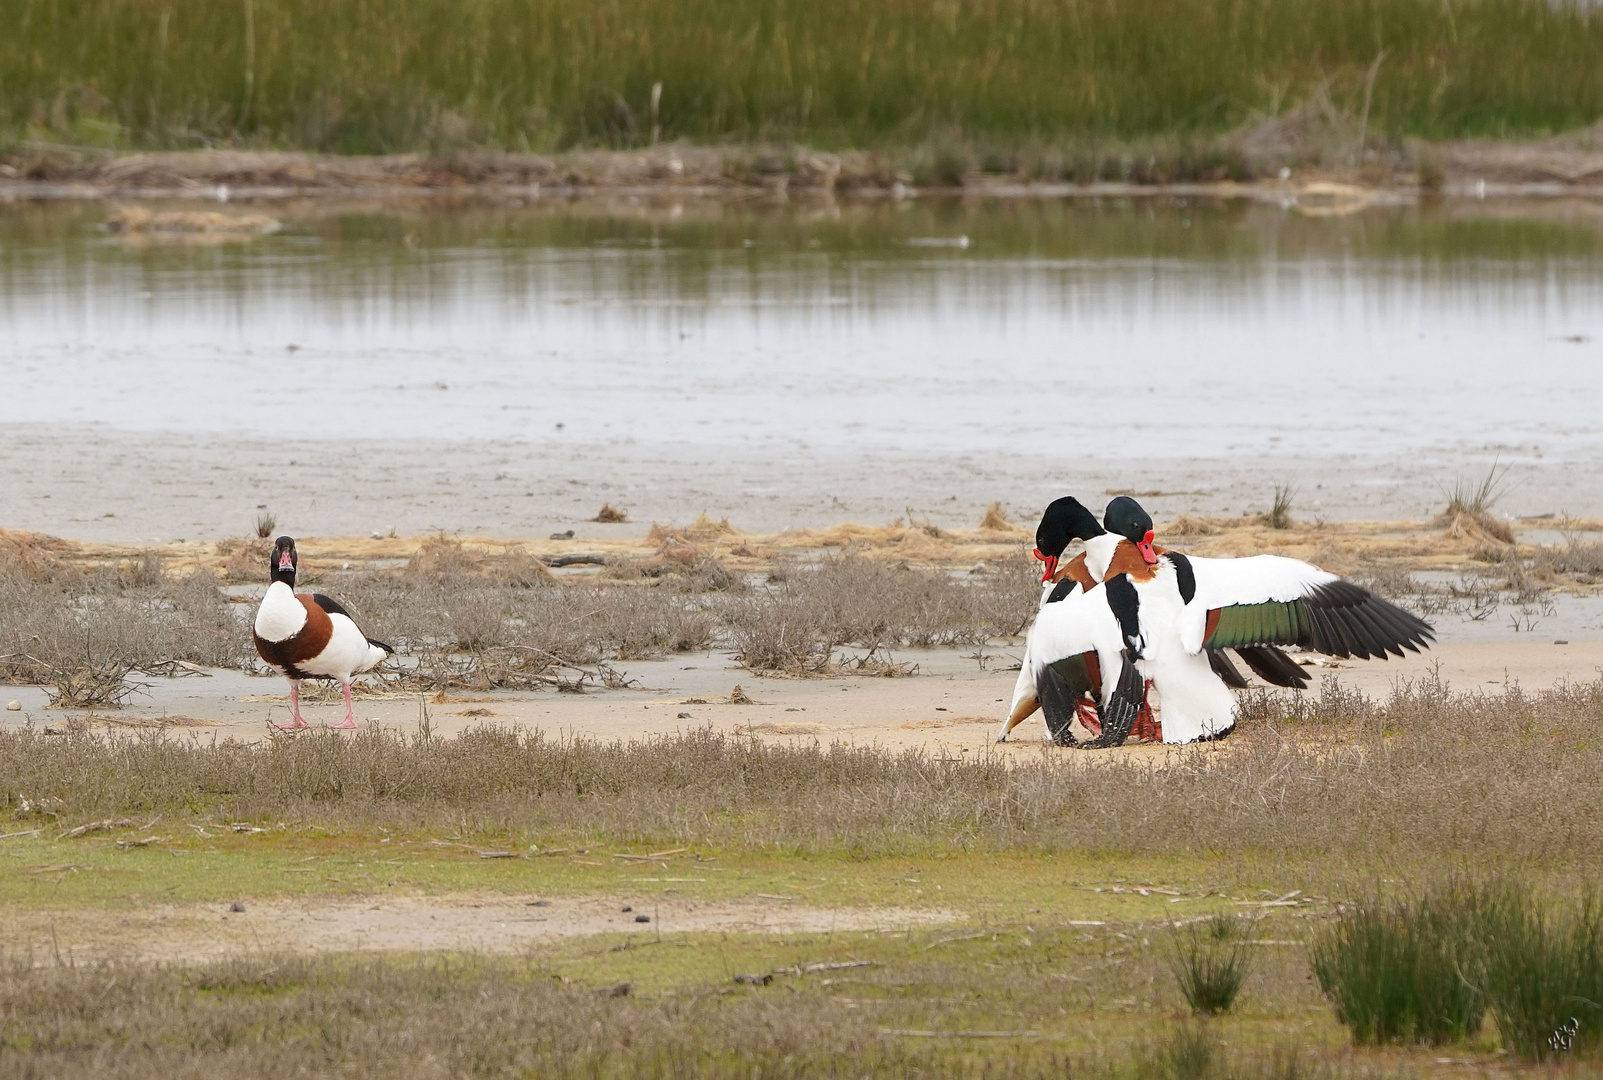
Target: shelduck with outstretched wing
(1124, 547)
(1194, 607)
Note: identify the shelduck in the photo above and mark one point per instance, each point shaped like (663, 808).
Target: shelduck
(1190, 608)
(1064, 521)
(1126, 519)
(1082, 644)
(310, 637)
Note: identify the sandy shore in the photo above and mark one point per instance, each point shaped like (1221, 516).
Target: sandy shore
(951, 706)
(386, 922)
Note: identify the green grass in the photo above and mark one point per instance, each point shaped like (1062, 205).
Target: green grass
(439, 75)
(93, 871)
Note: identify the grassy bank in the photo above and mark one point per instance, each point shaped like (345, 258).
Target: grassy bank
(989, 76)
(1337, 781)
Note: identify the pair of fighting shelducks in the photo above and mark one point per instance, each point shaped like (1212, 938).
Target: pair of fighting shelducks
(1125, 618)
(1116, 622)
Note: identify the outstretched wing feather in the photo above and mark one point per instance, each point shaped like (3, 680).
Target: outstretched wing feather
(1334, 617)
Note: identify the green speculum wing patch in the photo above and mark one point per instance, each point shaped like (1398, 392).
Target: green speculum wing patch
(1272, 623)
(1072, 670)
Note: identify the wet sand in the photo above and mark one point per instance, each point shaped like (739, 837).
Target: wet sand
(101, 485)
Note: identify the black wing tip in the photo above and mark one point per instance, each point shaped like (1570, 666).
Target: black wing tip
(1349, 621)
(389, 649)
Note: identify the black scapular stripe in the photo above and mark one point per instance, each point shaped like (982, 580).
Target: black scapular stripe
(1126, 607)
(1118, 715)
(334, 607)
(1184, 575)
(1060, 590)
(331, 605)
(1272, 666)
(1222, 667)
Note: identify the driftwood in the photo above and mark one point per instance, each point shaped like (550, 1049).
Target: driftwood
(574, 560)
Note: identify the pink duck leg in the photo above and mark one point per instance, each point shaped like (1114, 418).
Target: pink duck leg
(296, 720)
(350, 719)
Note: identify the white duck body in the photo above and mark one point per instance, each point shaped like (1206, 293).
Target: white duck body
(1079, 623)
(282, 616)
(1195, 702)
(347, 653)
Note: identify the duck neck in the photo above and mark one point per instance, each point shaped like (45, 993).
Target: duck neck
(1099, 553)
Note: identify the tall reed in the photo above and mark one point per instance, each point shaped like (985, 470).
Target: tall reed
(394, 75)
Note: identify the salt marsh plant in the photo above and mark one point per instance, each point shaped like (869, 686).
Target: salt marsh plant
(1406, 970)
(1544, 974)
(1210, 961)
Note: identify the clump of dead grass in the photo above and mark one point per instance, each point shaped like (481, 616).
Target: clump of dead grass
(1578, 559)
(33, 555)
(797, 624)
(1191, 525)
(994, 520)
(610, 515)
(1468, 514)
(245, 558)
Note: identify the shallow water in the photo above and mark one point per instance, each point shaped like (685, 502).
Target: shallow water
(1109, 330)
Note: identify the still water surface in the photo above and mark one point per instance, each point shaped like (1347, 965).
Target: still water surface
(1099, 329)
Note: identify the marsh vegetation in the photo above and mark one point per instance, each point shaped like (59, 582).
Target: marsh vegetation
(1003, 86)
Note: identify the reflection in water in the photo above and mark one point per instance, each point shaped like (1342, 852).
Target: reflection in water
(1072, 328)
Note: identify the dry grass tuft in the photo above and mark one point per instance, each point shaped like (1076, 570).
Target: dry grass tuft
(245, 559)
(1279, 515)
(32, 555)
(994, 520)
(1191, 525)
(1468, 515)
(610, 515)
